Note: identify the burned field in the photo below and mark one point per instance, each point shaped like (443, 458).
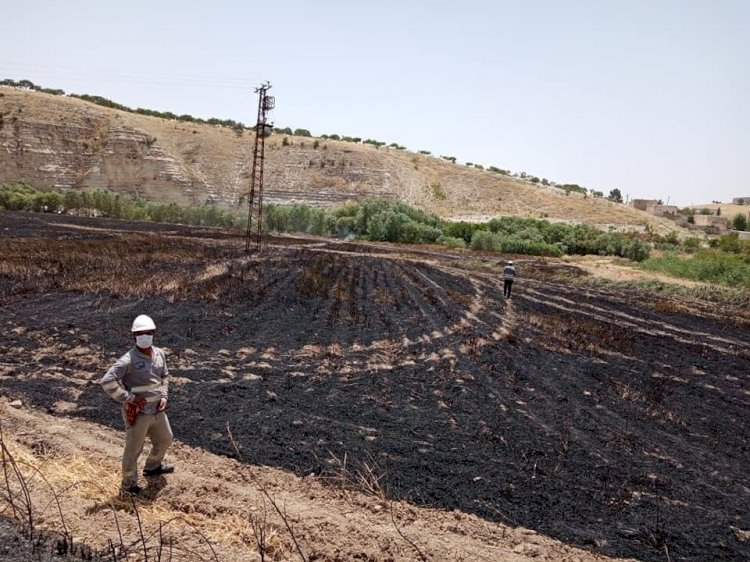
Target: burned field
(606, 419)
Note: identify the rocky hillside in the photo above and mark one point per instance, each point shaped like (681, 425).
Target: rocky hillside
(58, 141)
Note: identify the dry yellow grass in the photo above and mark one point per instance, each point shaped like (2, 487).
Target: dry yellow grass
(94, 481)
(728, 211)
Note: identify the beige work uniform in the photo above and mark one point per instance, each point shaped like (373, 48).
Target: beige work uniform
(135, 374)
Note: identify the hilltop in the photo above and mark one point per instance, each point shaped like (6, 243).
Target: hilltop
(65, 142)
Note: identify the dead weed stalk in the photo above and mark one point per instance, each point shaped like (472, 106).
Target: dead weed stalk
(370, 478)
(366, 477)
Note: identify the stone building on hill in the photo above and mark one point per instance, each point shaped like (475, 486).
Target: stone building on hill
(643, 204)
(715, 223)
(655, 207)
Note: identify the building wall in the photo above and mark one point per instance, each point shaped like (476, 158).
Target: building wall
(711, 220)
(643, 204)
(663, 210)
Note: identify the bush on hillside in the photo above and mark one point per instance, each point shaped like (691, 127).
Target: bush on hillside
(615, 195)
(394, 225)
(691, 245)
(486, 241)
(739, 222)
(636, 250)
(451, 242)
(514, 245)
(496, 242)
(462, 229)
(345, 227)
(731, 243)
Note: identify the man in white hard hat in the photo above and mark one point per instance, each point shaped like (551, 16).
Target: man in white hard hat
(139, 380)
(509, 275)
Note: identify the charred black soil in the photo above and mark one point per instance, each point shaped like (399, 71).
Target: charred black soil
(609, 419)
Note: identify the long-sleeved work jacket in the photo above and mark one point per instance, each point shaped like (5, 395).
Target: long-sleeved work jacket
(136, 374)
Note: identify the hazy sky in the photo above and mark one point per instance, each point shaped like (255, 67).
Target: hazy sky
(649, 96)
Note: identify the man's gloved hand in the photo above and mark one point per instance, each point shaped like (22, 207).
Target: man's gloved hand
(132, 409)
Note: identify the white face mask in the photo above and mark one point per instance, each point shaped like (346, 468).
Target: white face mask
(144, 341)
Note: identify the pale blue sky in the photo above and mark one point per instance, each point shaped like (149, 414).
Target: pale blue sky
(647, 96)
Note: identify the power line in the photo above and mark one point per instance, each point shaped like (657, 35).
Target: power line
(105, 75)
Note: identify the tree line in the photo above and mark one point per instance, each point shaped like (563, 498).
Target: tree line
(373, 219)
(389, 221)
(22, 196)
(104, 102)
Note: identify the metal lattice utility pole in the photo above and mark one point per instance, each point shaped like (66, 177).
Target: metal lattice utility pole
(254, 239)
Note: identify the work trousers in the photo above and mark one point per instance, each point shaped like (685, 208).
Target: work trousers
(156, 428)
(507, 286)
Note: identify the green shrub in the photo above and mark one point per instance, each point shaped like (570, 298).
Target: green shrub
(514, 225)
(299, 216)
(498, 170)
(739, 222)
(512, 245)
(581, 239)
(636, 250)
(367, 210)
(496, 242)
(692, 244)
(609, 244)
(345, 227)
(438, 192)
(462, 229)
(317, 222)
(18, 197)
(413, 232)
(24, 197)
(554, 233)
(710, 266)
(395, 225)
(485, 240)
(615, 195)
(451, 242)
(730, 243)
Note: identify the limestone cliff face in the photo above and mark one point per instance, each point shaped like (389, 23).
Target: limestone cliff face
(70, 144)
(58, 141)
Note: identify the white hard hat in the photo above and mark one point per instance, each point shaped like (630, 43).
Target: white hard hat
(143, 323)
(510, 262)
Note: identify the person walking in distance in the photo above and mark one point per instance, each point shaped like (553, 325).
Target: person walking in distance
(509, 275)
(139, 380)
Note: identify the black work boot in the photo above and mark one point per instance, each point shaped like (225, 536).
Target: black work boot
(163, 468)
(134, 490)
